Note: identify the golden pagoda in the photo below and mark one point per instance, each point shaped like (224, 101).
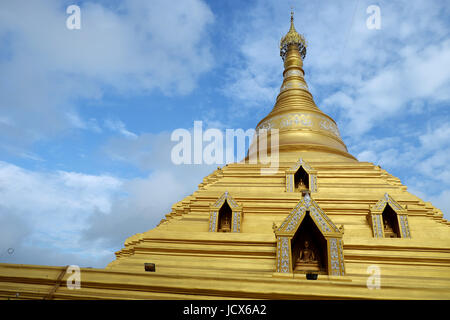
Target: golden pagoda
(324, 226)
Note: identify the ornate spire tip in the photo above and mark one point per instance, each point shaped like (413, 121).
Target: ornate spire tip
(292, 37)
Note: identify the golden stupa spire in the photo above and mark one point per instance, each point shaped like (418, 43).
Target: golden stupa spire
(304, 130)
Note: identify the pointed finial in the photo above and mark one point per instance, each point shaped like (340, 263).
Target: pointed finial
(292, 19)
(292, 37)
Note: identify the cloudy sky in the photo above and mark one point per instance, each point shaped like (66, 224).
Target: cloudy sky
(86, 115)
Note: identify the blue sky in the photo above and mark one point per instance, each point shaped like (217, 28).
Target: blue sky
(86, 115)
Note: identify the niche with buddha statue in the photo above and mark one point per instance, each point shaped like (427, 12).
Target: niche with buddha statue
(390, 223)
(389, 219)
(225, 215)
(308, 242)
(301, 177)
(224, 218)
(309, 248)
(301, 180)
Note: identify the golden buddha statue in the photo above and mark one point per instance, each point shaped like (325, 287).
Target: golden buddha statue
(225, 225)
(388, 231)
(307, 259)
(301, 186)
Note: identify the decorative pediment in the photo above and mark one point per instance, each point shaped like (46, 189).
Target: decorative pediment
(387, 199)
(301, 163)
(295, 218)
(225, 197)
(290, 173)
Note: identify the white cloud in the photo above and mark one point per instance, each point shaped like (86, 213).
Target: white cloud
(254, 82)
(128, 48)
(147, 152)
(436, 138)
(44, 210)
(147, 201)
(119, 126)
(56, 190)
(389, 91)
(367, 155)
(436, 166)
(442, 201)
(77, 122)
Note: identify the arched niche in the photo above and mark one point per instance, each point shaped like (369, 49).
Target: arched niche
(225, 209)
(224, 218)
(389, 219)
(301, 180)
(308, 221)
(301, 177)
(309, 248)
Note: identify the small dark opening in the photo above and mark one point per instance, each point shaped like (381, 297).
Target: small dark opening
(150, 267)
(311, 276)
(391, 229)
(301, 179)
(225, 218)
